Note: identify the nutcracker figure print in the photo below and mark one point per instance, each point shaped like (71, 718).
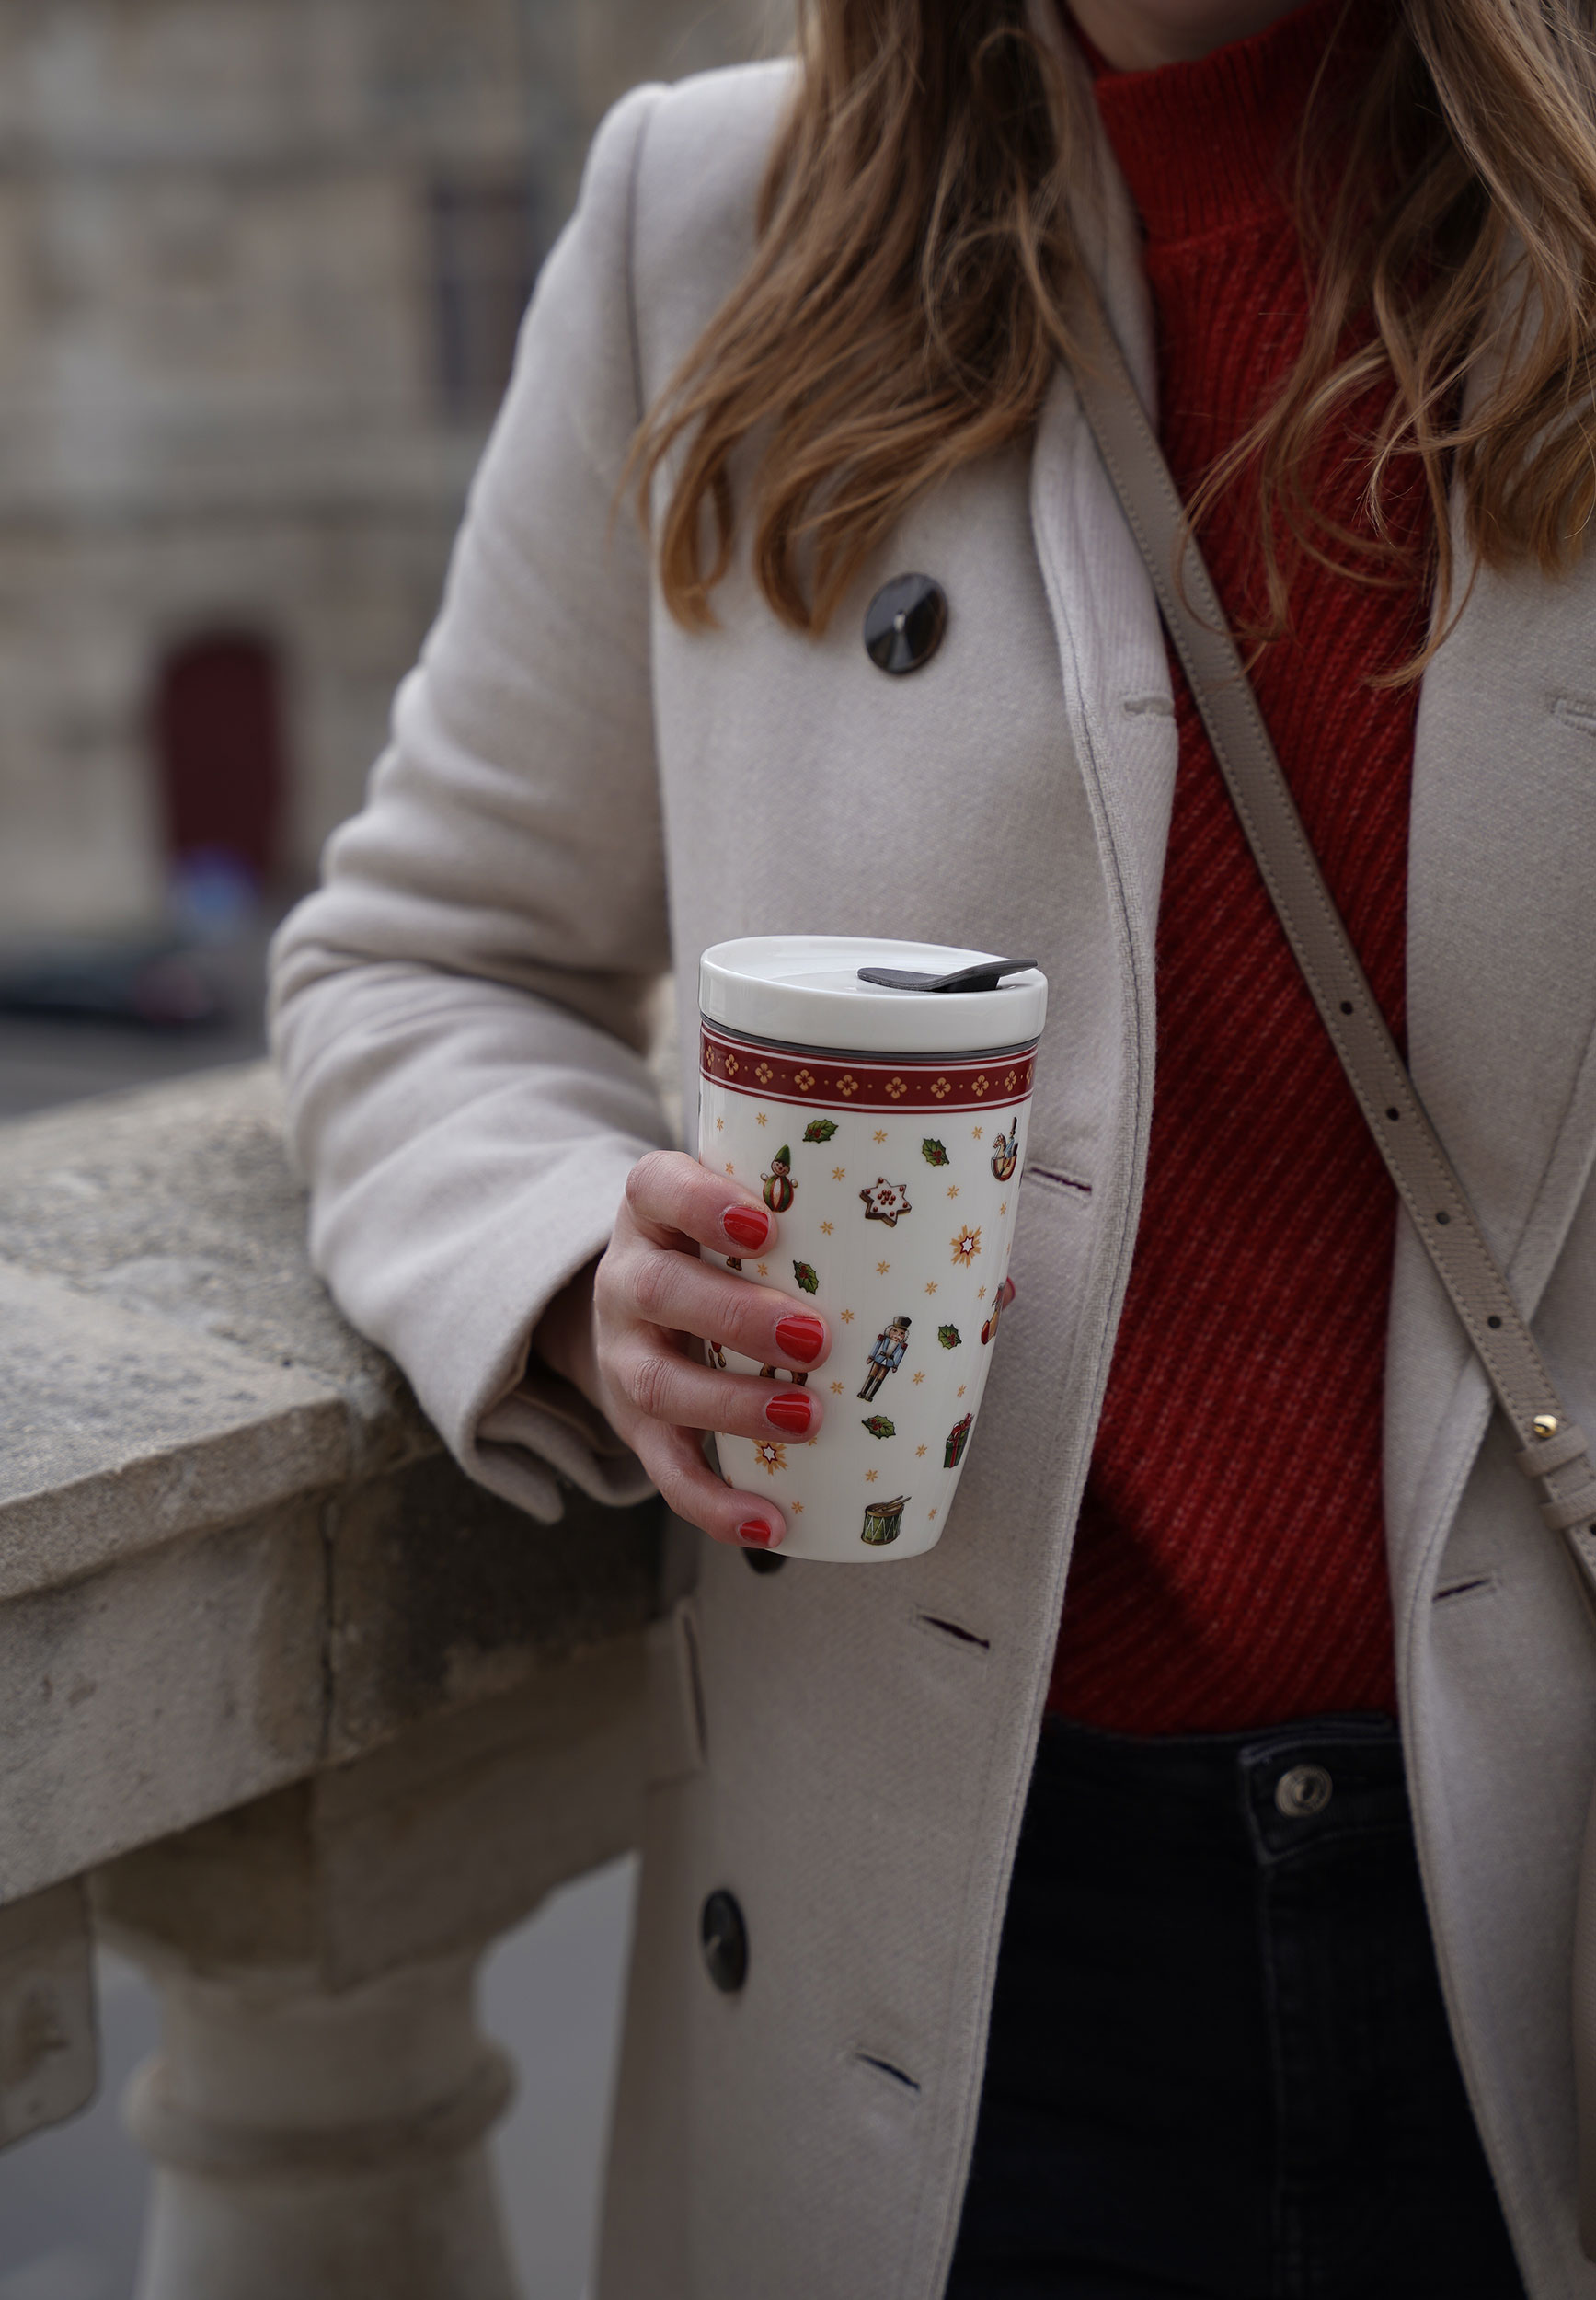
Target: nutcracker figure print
(887, 1356)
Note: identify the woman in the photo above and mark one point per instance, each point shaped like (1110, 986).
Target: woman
(812, 311)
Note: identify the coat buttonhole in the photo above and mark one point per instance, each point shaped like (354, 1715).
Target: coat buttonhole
(1575, 711)
(1059, 1181)
(938, 1628)
(1473, 1587)
(886, 2068)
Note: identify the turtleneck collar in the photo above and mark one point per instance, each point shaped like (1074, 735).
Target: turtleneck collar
(1212, 143)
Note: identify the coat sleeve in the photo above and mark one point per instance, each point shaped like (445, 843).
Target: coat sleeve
(461, 1013)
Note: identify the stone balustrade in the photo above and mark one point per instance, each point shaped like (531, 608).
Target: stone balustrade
(288, 1710)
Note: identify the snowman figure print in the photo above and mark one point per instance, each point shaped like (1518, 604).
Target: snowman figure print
(779, 1187)
(887, 1356)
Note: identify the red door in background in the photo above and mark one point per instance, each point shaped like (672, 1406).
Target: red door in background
(219, 743)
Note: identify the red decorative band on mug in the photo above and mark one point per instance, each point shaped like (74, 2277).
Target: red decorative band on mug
(876, 1082)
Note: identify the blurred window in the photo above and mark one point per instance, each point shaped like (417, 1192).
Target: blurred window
(487, 247)
(219, 746)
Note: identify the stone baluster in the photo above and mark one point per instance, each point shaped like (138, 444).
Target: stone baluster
(318, 2111)
(313, 2144)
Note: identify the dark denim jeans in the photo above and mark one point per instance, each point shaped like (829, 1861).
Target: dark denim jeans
(1219, 2062)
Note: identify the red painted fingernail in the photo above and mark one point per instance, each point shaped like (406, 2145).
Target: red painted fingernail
(756, 1535)
(790, 1409)
(745, 1226)
(800, 1336)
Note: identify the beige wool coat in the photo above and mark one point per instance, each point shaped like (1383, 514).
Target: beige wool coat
(580, 796)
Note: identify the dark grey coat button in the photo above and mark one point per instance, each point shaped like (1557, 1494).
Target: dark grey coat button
(724, 1938)
(904, 623)
(1303, 1790)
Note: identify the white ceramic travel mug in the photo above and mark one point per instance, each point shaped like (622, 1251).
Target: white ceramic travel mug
(886, 1128)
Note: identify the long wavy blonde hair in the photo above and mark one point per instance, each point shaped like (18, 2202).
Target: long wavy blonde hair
(902, 316)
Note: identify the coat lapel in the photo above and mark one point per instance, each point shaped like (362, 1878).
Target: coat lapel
(1501, 973)
(1117, 707)
(1117, 690)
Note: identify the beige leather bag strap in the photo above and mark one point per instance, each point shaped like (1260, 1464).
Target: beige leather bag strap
(1552, 1449)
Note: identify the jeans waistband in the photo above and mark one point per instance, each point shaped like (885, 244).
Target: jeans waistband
(1266, 1796)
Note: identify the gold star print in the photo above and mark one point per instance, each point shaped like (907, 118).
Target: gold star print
(930, 1513)
(961, 1389)
(919, 1378)
(918, 1451)
(847, 1318)
(764, 1269)
(836, 1389)
(826, 1228)
(880, 1134)
(981, 1296)
(1003, 1208)
(839, 1173)
(869, 1477)
(882, 1268)
(729, 1167)
(976, 1132)
(760, 1119)
(953, 1190)
(797, 1508)
(930, 1285)
(720, 1125)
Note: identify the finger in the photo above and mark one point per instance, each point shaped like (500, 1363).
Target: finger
(670, 1196)
(665, 1386)
(676, 1465)
(686, 1296)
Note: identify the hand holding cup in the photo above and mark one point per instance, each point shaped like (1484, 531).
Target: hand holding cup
(633, 1334)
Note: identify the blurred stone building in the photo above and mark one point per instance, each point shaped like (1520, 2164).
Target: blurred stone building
(261, 263)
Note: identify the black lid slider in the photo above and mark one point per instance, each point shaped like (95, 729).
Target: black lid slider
(987, 975)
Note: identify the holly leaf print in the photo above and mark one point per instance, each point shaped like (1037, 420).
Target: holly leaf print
(819, 1130)
(949, 1337)
(880, 1426)
(806, 1275)
(933, 1153)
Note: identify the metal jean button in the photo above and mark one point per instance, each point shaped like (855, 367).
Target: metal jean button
(1303, 1790)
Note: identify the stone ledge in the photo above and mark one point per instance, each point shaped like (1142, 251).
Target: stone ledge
(121, 1432)
(177, 1200)
(167, 1358)
(232, 1551)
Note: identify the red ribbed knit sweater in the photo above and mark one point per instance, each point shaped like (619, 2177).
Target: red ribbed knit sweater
(1230, 1565)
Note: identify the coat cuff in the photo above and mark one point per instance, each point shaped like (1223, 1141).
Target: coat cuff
(545, 1430)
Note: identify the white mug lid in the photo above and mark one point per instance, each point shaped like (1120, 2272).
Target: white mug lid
(804, 990)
